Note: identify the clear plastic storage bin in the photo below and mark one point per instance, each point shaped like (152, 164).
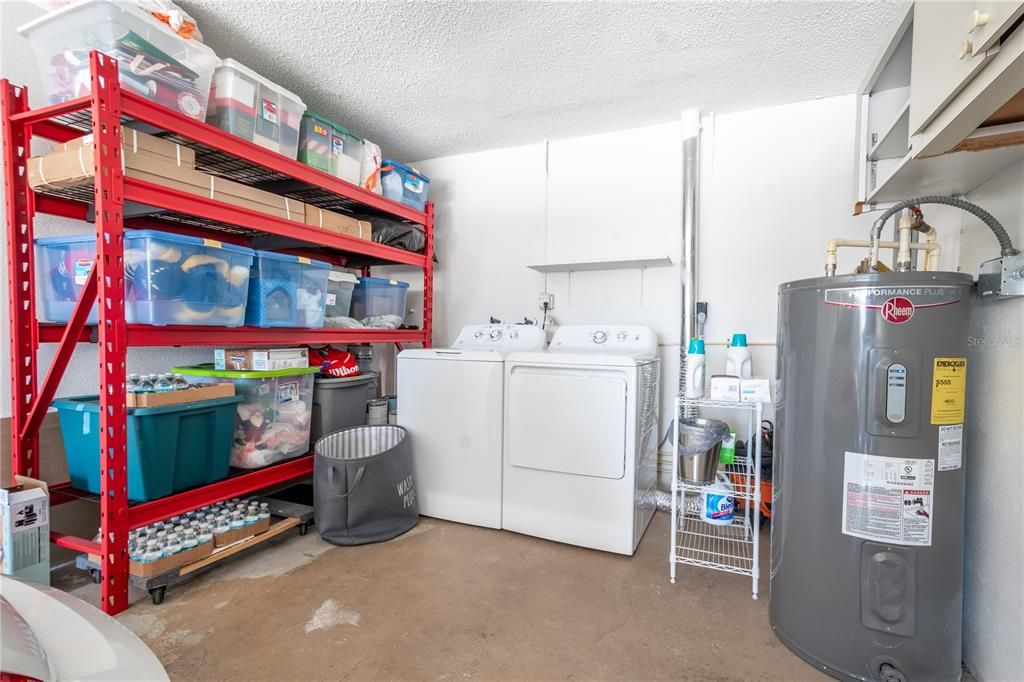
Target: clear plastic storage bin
(405, 184)
(273, 418)
(378, 302)
(154, 61)
(286, 291)
(339, 293)
(330, 147)
(169, 279)
(253, 108)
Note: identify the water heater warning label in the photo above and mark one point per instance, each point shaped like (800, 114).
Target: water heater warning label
(949, 383)
(888, 499)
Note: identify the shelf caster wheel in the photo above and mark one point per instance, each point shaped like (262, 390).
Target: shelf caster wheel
(157, 595)
(303, 528)
(96, 575)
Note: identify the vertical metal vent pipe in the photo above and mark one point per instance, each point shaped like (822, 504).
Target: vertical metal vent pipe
(691, 216)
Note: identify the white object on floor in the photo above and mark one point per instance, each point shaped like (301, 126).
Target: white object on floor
(450, 401)
(581, 437)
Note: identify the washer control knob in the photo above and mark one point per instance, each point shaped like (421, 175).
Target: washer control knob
(600, 337)
(513, 334)
(622, 336)
(495, 334)
(479, 334)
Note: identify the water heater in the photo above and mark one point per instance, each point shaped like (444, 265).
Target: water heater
(868, 520)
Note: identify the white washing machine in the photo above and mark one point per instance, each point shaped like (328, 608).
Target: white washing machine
(581, 437)
(450, 400)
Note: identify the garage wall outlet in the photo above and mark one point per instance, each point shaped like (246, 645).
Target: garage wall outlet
(547, 298)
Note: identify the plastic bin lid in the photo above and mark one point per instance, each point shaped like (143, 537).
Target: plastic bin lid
(337, 276)
(150, 234)
(288, 258)
(91, 403)
(207, 370)
(380, 281)
(230, 63)
(345, 382)
(334, 126)
(126, 8)
(401, 166)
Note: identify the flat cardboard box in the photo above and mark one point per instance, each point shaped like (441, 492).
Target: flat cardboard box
(725, 387)
(192, 395)
(233, 536)
(168, 563)
(337, 222)
(25, 530)
(74, 168)
(140, 143)
(260, 359)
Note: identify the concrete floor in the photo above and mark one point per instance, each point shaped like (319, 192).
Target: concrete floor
(448, 601)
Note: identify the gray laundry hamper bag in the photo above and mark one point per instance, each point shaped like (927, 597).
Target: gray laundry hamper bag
(363, 487)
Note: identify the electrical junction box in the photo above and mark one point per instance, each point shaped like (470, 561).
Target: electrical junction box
(1002, 277)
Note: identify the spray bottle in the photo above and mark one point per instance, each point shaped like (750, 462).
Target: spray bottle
(737, 357)
(695, 369)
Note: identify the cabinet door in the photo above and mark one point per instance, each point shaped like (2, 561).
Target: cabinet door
(941, 63)
(989, 19)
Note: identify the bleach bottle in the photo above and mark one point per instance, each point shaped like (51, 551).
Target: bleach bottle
(718, 502)
(737, 357)
(695, 370)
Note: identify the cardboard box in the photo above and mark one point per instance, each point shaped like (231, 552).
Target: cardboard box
(337, 222)
(260, 359)
(168, 563)
(25, 530)
(74, 168)
(725, 387)
(233, 536)
(755, 390)
(140, 143)
(192, 395)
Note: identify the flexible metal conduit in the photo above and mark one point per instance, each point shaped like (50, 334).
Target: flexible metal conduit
(1005, 243)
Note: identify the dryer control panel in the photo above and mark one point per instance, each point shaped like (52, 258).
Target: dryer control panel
(501, 337)
(606, 338)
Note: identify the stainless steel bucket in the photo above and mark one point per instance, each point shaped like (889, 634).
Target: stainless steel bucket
(700, 442)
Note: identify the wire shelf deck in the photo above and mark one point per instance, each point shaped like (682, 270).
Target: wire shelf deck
(723, 548)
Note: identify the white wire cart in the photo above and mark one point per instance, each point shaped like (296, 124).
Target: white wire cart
(733, 548)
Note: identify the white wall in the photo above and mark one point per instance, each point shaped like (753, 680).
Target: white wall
(994, 553)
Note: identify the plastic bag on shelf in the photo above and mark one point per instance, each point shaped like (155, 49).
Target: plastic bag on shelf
(180, 21)
(369, 170)
(398, 234)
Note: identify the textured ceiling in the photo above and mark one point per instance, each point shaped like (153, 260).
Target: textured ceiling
(432, 79)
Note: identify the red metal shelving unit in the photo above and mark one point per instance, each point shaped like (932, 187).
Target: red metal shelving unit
(102, 113)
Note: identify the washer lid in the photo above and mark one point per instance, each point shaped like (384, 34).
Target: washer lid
(464, 355)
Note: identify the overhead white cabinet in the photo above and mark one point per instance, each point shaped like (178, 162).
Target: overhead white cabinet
(941, 109)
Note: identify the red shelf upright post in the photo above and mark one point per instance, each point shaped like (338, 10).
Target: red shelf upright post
(428, 278)
(20, 279)
(113, 335)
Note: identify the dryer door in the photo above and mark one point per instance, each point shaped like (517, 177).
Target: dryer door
(568, 419)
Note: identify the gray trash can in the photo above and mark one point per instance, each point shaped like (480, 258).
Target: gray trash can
(363, 486)
(339, 403)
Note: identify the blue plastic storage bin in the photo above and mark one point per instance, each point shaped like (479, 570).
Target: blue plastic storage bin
(286, 291)
(374, 297)
(169, 279)
(169, 448)
(404, 183)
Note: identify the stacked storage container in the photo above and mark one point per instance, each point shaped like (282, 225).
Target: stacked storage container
(339, 293)
(169, 448)
(248, 105)
(379, 302)
(169, 279)
(405, 184)
(287, 291)
(330, 147)
(274, 416)
(154, 61)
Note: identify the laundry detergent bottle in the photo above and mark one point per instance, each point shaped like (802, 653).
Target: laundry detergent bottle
(695, 370)
(737, 357)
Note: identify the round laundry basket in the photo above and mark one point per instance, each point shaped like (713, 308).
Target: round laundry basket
(363, 488)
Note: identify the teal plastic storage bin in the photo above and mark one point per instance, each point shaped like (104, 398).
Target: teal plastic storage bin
(169, 448)
(405, 184)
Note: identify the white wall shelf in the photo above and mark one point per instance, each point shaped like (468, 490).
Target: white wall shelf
(625, 264)
(895, 141)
